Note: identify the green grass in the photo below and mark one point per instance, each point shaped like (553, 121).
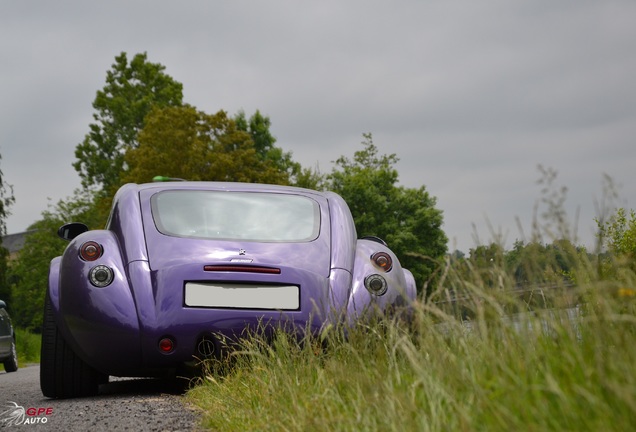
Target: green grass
(28, 346)
(546, 373)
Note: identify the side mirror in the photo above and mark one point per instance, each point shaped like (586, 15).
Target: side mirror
(3, 305)
(71, 230)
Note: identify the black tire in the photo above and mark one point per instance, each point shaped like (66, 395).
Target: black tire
(62, 373)
(11, 364)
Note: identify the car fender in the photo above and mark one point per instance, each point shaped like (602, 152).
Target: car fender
(100, 324)
(411, 286)
(339, 294)
(400, 283)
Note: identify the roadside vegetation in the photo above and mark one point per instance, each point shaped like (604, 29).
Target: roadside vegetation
(28, 346)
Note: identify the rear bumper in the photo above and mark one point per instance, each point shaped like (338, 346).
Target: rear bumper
(117, 330)
(166, 314)
(209, 332)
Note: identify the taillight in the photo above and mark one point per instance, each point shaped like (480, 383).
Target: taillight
(166, 345)
(90, 251)
(382, 260)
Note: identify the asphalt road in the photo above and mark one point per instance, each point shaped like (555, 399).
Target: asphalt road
(125, 404)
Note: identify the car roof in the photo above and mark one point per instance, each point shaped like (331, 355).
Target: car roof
(225, 186)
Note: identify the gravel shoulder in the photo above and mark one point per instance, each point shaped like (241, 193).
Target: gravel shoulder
(123, 404)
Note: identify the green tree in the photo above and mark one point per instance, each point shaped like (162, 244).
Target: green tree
(132, 89)
(619, 233)
(486, 256)
(5, 289)
(29, 272)
(310, 178)
(538, 263)
(6, 201)
(405, 218)
(185, 143)
(618, 237)
(258, 127)
(528, 263)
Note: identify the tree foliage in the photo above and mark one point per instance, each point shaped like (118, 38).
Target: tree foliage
(239, 148)
(6, 201)
(526, 264)
(185, 143)
(618, 237)
(132, 89)
(619, 233)
(405, 218)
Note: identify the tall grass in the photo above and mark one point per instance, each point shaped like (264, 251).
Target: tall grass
(539, 370)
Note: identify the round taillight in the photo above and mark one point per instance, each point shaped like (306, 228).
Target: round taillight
(101, 276)
(376, 284)
(382, 260)
(166, 345)
(90, 251)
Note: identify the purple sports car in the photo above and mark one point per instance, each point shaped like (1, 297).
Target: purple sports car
(182, 265)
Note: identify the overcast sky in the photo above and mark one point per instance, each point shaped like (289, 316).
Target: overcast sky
(470, 95)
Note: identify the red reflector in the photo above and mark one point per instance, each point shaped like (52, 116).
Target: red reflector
(90, 251)
(382, 260)
(243, 269)
(166, 345)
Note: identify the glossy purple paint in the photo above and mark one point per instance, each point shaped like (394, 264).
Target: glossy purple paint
(117, 329)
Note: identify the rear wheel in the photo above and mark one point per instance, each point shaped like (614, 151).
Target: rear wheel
(62, 373)
(11, 364)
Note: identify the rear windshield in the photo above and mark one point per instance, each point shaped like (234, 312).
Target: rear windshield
(253, 216)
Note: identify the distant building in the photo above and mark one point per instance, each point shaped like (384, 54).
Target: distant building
(14, 243)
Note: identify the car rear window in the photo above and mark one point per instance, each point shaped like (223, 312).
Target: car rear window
(253, 216)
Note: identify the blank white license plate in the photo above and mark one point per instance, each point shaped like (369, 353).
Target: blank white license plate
(244, 296)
